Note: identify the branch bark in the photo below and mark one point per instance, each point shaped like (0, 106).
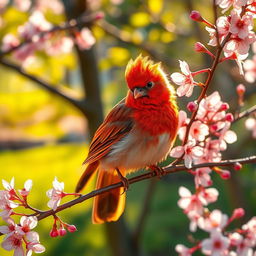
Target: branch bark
(82, 105)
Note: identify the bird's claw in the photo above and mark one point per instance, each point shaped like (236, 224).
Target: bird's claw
(124, 181)
(159, 172)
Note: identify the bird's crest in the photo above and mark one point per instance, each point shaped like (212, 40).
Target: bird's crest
(141, 69)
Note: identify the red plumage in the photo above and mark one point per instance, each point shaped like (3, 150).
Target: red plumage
(139, 132)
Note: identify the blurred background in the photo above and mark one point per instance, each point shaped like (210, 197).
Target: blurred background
(54, 95)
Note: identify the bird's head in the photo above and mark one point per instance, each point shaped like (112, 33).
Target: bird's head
(148, 84)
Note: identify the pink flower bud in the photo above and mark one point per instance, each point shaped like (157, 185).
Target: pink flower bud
(238, 213)
(237, 166)
(229, 117)
(196, 16)
(224, 106)
(199, 47)
(62, 231)
(99, 15)
(71, 228)
(54, 232)
(192, 106)
(225, 175)
(240, 89)
(214, 128)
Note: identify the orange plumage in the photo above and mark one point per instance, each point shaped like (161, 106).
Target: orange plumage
(138, 132)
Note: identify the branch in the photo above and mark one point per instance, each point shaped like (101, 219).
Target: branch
(82, 105)
(73, 23)
(149, 175)
(245, 113)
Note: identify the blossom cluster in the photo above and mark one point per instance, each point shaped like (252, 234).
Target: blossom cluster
(35, 35)
(19, 235)
(206, 134)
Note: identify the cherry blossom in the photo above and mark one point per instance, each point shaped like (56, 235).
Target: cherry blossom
(14, 242)
(190, 150)
(55, 194)
(240, 26)
(184, 80)
(215, 220)
(202, 177)
(217, 244)
(199, 130)
(9, 41)
(27, 187)
(85, 39)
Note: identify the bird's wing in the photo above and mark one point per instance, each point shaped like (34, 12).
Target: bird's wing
(116, 125)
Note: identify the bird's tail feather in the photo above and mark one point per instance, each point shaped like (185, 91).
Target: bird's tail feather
(90, 169)
(108, 206)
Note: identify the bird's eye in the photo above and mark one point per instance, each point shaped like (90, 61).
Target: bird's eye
(150, 84)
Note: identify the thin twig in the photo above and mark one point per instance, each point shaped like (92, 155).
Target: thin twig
(82, 105)
(69, 25)
(245, 113)
(149, 175)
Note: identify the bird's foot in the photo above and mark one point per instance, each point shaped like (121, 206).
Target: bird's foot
(124, 180)
(159, 171)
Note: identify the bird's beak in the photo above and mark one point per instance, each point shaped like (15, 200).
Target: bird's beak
(139, 92)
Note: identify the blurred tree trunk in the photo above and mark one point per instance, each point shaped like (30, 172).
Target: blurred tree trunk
(117, 233)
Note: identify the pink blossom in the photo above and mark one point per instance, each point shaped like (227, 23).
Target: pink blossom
(182, 250)
(26, 224)
(250, 70)
(14, 242)
(239, 46)
(216, 220)
(183, 121)
(199, 130)
(10, 228)
(58, 45)
(184, 80)
(190, 150)
(55, 194)
(208, 195)
(33, 244)
(9, 41)
(212, 34)
(211, 151)
(25, 53)
(243, 245)
(250, 124)
(223, 25)
(6, 205)
(27, 187)
(85, 39)
(190, 203)
(226, 136)
(216, 245)
(22, 5)
(240, 26)
(202, 177)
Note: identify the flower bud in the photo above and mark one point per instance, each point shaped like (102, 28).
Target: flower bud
(196, 16)
(71, 228)
(62, 231)
(54, 232)
(192, 106)
(240, 89)
(229, 117)
(237, 166)
(238, 213)
(225, 174)
(199, 47)
(224, 106)
(213, 128)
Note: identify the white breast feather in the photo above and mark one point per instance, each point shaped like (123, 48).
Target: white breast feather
(135, 152)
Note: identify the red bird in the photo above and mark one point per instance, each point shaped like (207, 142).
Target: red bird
(138, 132)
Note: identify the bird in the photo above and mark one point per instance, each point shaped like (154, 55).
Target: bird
(138, 132)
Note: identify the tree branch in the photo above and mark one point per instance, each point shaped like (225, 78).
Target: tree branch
(246, 113)
(73, 23)
(82, 105)
(149, 175)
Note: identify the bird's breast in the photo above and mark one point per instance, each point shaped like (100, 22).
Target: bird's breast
(137, 150)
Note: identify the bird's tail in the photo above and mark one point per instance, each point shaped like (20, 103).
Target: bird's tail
(108, 206)
(90, 169)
